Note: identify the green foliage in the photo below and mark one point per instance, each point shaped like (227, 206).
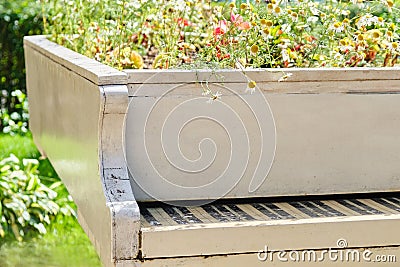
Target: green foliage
(17, 19)
(233, 34)
(17, 121)
(26, 203)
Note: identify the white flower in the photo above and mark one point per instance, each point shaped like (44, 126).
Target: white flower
(294, 16)
(394, 46)
(345, 12)
(251, 86)
(314, 11)
(312, 19)
(277, 9)
(285, 43)
(336, 27)
(345, 48)
(180, 5)
(97, 56)
(251, 90)
(367, 20)
(214, 97)
(284, 77)
(217, 10)
(133, 4)
(266, 34)
(285, 55)
(338, 57)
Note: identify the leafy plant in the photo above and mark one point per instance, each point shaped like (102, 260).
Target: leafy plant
(26, 203)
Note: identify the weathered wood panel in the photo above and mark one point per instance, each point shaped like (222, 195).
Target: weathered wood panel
(325, 143)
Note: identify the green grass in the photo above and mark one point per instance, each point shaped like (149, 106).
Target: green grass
(20, 146)
(24, 147)
(65, 244)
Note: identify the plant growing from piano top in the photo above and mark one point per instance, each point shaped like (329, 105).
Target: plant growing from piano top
(279, 34)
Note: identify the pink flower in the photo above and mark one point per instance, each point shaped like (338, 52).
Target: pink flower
(238, 22)
(222, 28)
(236, 18)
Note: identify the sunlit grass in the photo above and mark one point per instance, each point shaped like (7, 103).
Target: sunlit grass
(20, 146)
(65, 245)
(24, 147)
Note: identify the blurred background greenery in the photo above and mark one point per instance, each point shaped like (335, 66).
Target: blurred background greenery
(17, 19)
(38, 226)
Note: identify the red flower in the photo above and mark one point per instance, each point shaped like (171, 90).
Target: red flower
(222, 28)
(184, 22)
(238, 22)
(221, 56)
(286, 64)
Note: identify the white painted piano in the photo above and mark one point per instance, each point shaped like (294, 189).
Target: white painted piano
(299, 167)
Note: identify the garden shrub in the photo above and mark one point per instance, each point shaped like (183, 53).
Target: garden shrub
(17, 19)
(27, 204)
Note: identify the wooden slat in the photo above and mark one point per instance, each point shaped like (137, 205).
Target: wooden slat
(252, 211)
(144, 222)
(378, 206)
(341, 208)
(162, 216)
(204, 216)
(292, 211)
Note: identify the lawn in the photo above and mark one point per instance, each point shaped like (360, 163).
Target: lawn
(65, 243)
